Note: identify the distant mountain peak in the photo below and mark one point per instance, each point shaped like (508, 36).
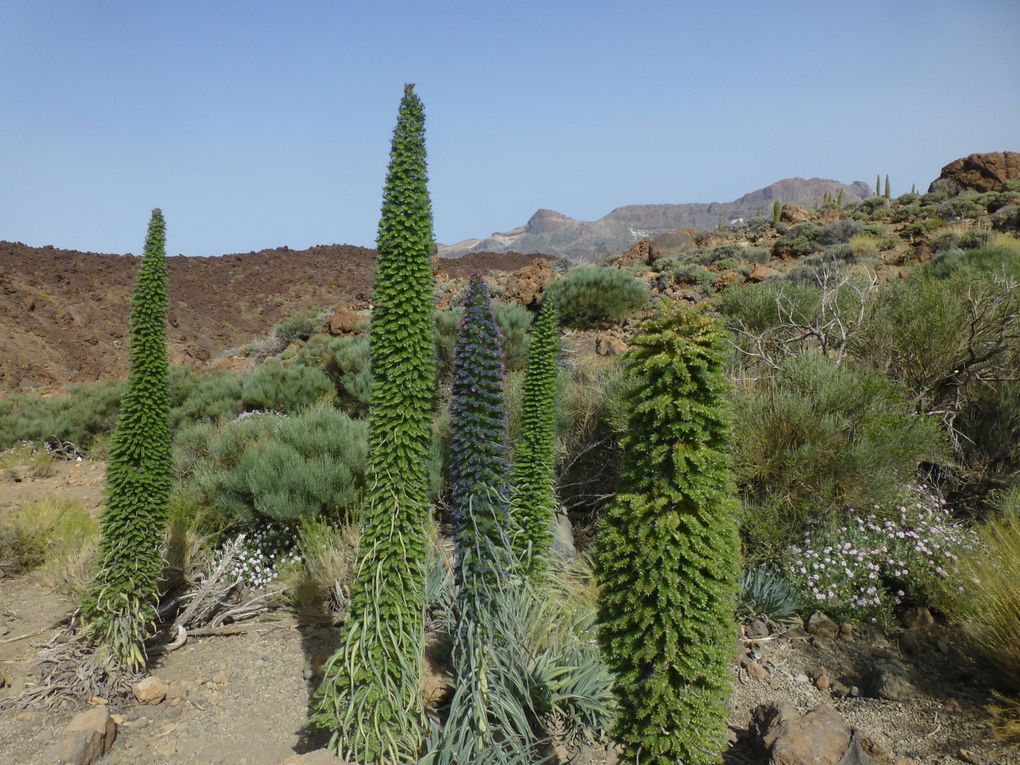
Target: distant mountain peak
(551, 232)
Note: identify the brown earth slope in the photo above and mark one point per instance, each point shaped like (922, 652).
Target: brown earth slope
(64, 313)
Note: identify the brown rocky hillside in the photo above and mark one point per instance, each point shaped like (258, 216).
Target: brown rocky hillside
(64, 313)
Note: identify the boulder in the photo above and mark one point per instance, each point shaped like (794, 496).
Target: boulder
(864, 751)
(524, 285)
(792, 213)
(88, 736)
(343, 321)
(981, 172)
(760, 272)
(820, 737)
(607, 344)
(151, 690)
(919, 619)
(887, 678)
(822, 626)
(563, 537)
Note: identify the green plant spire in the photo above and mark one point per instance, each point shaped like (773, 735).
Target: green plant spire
(888, 189)
(777, 211)
(668, 551)
(479, 472)
(487, 724)
(533, 498)
(121, 604)
(371, 692)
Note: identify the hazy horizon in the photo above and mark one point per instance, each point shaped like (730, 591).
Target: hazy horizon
(258, 125)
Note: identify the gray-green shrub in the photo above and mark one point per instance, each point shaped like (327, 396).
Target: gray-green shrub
(278, 468)
(816, 438)
(592, 296)
(278, 387)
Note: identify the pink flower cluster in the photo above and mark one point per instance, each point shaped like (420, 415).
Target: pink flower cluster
(875, 561)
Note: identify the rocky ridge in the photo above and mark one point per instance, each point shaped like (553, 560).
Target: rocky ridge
(553, 233)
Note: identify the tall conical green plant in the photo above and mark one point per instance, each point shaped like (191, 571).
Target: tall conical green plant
(888, 188)
(533, 499)
(487, 724)
(121, 604)
(371, 692)
(668, 551)
(479, 468)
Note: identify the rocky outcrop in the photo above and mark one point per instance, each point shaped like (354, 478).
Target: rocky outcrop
(980, 172)
(88, 736)
(553, 233)
(820, 737)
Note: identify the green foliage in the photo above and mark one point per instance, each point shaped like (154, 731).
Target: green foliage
(777, 211)
(533, 498)
(816, 437)
(878, 185)
(888, 192)
(288, 388)
(84, 414)
(668, 551)
(764, 592)
(120, 607)
(985, 598)
(284, 468)
(513, 321)
(591, 418)
(320, 584)
(300, 326)
(206, 397)
(44, 533)
(944, 337)
(370, 695)
(683, 272)
(592, 296)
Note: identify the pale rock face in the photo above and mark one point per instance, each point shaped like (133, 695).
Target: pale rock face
(552, 233)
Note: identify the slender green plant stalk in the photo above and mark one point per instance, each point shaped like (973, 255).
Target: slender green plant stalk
(120, 606)
(668, 551)
(487, 723)
(370, 696)
(533, 499)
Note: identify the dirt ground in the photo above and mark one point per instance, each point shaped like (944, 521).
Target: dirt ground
(243, 699)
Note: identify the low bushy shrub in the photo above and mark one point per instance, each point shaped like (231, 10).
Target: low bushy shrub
(986, 599)
(51, 532)
(203, 397)
(279, 468)
(84, 414)
(348, 364)
(816, 437)
(300, 326)
(592, 296)
(872, 562)
(318, 580)
(285, 388)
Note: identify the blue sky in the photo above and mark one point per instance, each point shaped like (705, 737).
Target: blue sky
(256, 124)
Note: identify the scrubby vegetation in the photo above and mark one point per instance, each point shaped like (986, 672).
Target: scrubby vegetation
(591, 296)
(863, 457)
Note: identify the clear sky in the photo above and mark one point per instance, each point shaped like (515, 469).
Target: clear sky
(257, 124)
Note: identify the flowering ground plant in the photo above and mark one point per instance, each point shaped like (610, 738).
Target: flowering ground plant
(264, 553)
(868, 564)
